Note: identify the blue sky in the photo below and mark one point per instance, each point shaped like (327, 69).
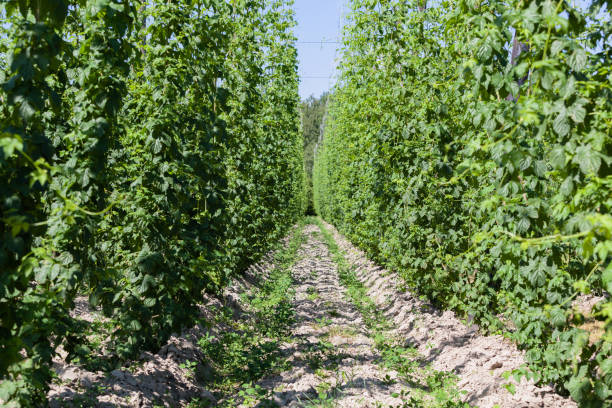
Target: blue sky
(318, 20)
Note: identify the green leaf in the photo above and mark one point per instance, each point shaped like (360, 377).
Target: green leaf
(484, 51)
(588, 160)
(557, 157)
(606, 278)
(567, 187)
(577, 61)
(10, 144)
(26, 110)
(525, 163)
(557, 317)
(561, 125)
(606, 367)
(541, 168)
(582, 286)
(117, 297)
(579, 385)
(150, 302)
(547, 80)
(577, 113)
(556, 47)
(94, 299)
(523, 224)
(135, 325)
(7, 390)
(147, 282)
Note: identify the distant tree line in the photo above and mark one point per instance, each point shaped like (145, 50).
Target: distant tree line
(313, 114)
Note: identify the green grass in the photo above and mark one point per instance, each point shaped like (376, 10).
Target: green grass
(312, 294)
(251, 349)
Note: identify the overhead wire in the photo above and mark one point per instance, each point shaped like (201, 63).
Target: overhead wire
(324, 42)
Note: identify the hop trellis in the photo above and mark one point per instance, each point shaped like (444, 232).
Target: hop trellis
(148, 150)
(484, 180)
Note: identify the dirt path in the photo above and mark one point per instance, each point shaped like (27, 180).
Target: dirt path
(333, 359)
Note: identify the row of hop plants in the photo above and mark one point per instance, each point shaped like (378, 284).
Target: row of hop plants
(149, 150)
(468, 147)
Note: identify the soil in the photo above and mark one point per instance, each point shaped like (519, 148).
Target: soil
(333, 358)
(154, 380)
(450, 345)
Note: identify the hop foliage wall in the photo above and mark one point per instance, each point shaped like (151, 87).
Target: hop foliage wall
(148, 151)
(485, 180)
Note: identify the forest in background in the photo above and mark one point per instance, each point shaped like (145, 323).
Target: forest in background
(312, 111)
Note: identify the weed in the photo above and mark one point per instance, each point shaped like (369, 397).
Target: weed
(190, 367)
(252, 349)
(340, 331)
(323, 321)
(312, 293)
